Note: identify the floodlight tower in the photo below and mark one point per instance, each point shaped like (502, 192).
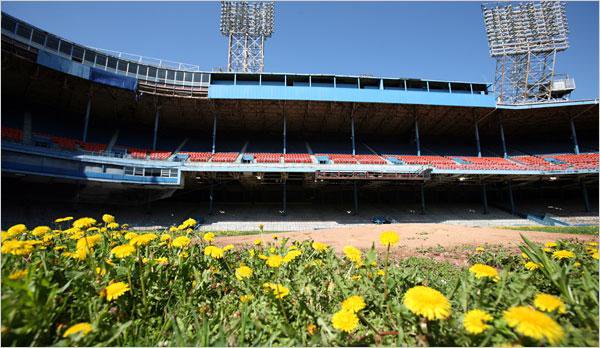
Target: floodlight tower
(524, 39)
(247, 25)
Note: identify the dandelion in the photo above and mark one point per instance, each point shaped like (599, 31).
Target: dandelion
(563, 254)
(181, 242)
(130, 235)
(212, 251)
(548, 250)
(84, 223)
(116, 290)
(275, 236)
(427, 302)
(593, 244)
(274, 261)
(595, 255)
(532, 266)
(550, 245)
(122, 251)
(165, 237)
(63, 219)
(278, 290)
(380, 272)
(80, 328)
(16, 247)
(142, 239)
(243, 272)
(107, 218)
(14, 231)
(311, 328)
(356, 277)
(484, 271)
(532, 323)
(549, 303)
(40, 231)
(523, 255)
(208, 237)
(18, 274)
(246, 298)
(291, 255)
(318, 246)
(162, 261)
(389, 238)
(475, 321)
(257, 242)
(112, 226)
(344, 320)
(353, 304)
(100, 271)
(480, 249)
(228, 247)
(353, 254)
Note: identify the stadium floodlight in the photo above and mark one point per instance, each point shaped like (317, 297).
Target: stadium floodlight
(247, 25)
(524, 39)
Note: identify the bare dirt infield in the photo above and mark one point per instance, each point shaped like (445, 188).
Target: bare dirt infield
(413, 237)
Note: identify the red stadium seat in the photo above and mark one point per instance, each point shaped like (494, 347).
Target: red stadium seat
(581, 161)
(224, 157)
(159, 155)
(340, 158)
(369, 159)
(93, 147)
(198, 156)
(137, 153)
(537, 163)
(264, 157)
(66, 143)
(12, 134)
(489, 163)
(438, 162)
(297, 158)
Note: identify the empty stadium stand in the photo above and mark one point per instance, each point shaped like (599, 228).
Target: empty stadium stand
(489, 163)
(262, 157)
(224, 157)
(297, 158)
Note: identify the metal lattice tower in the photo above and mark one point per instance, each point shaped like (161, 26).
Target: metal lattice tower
(524, 39)
(247, 25)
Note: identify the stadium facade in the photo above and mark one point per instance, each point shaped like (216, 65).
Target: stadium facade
(91, 125)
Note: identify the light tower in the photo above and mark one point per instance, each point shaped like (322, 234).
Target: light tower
(247, 25)
(524, 39)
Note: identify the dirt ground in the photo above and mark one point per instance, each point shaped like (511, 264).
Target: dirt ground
(414, 238)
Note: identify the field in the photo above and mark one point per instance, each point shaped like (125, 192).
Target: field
(86, 282)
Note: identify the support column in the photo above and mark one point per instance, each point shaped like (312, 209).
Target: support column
(211, 199)
(156, 117)
(417, 137)
(355, 212)
(513, 210)
(353, 142)
(477, 139)
(27, 128)
(484, 197)
(574, 136)
(214, 133)
(284, 134)
(284, 210)
(503, 141)
(422, 198)
(584, 194)
(87, 118)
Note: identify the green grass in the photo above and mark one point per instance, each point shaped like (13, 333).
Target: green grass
(593, 230)
(241, 233)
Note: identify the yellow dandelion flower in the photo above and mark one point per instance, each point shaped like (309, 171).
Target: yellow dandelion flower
(353, 303)
(353, 254)
(165, 237)
(275, 236)
(563, 254)
(274, 261)
(173, 229)
(532, 323)
(184, 255)
(18, 274)
(427, 302)
(594, 244)
(212, 251)
(14, 231)
(549, 303)
(475, 321)
(59, 248)
(389, 238)
(100, 271)
(208, 237)
(112, 226)
(272, 250)
(122, 251)
(181, 242)
(228, 247)
(63, 219)
(318, 246)
(16, 247)
(550, 245)
(262, 256)
(40, 231)
(356, 277)
(344, 320)
(291, 255)
(107, 218)
(523, 255)
(532, 266)
(251, 252)
(130, 235)
(84, 223)
(480, 249)
(116, 290)
(311, 328)
(380, 272)
(257, 242)
(278, 290)
(595, 255)
(548, 250)
(80, 328)
(246, 298)
(142, 239)
(484, 271)
(243, 272)
(162, 261)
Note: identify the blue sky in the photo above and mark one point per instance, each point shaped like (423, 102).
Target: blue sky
(441, 40)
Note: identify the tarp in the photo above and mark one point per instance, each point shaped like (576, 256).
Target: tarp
(112, 79)
(67, 66)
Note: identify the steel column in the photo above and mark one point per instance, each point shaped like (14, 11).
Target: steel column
(484, 196)
(417, 137)
(503, 140)
(27, 128)
(284, 134)
(214, 133)
(574, 136)
(355, 198)
(584, 193)
(422, 198)
(87, 118)
(154, 138)
(513, 211)
(353, 143)
(211, 199)
(477, 139)
(284, 211)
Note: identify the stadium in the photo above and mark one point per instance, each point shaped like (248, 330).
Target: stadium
(83, 128)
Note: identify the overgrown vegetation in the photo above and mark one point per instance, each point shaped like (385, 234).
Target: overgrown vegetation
(593, 230)
(99, 284)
